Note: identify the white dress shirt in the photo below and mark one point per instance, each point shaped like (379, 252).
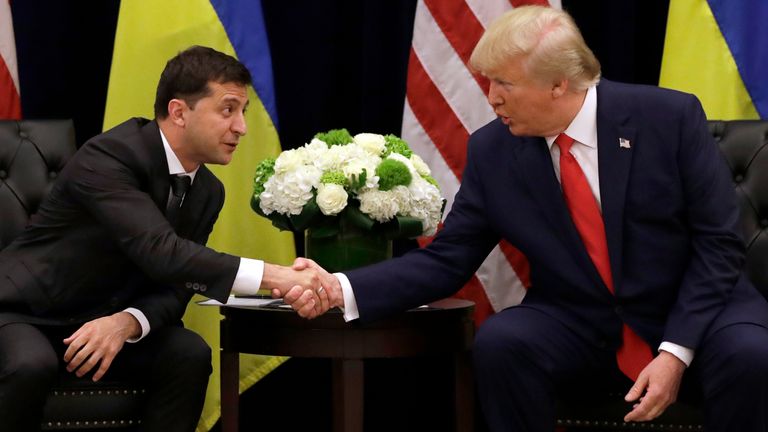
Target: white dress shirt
(249, 274)
(583, 129)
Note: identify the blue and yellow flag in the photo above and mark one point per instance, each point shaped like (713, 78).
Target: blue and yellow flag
(718, 50)
(149, 33)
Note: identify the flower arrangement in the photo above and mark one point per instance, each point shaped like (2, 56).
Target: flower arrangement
(374, 182)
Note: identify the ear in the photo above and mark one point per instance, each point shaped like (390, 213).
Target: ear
(177, 109)
(559, 88)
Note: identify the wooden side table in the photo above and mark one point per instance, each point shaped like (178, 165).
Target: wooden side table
(443, 328)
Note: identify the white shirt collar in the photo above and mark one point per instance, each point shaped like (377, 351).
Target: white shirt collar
(583, 128)
(174, 164)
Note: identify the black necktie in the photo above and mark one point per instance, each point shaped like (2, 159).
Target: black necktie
(179, 186)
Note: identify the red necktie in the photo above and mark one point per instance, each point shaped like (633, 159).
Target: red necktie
(633, 354)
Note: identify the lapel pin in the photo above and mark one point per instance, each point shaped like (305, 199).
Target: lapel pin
(624, 143)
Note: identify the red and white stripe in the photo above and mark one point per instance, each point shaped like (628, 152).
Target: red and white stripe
(444, 104)
(10, 103)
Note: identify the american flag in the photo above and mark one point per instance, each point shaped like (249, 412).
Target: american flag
(10, 105)
(444, 104)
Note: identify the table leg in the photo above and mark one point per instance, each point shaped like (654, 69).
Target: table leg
(347, 395)
(464, 393)
(230, 392)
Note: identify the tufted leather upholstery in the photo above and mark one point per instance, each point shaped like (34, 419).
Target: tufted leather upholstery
(744, 144)
(32, 153)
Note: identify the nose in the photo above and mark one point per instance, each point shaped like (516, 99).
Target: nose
(238, 124)
(494, 98)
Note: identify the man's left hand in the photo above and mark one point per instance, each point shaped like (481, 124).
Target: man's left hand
(98, 342)
(660, 381)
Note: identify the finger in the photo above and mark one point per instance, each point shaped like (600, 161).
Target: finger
(89, 364)
(637, 389)
(325, 302)
(276, 293)
(301, 263)
(75, 335)
(106, 362)
(308, 308)
(74, 346)
(79, 358)
(293, 295)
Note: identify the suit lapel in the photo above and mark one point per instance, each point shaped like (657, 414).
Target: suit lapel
(536, 164)
(616, 141)
(159, 182)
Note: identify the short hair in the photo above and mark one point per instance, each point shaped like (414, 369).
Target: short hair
(547, 40)
(186, 76)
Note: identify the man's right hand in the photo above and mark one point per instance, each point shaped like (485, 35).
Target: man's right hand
(330, 283)
(305, 284)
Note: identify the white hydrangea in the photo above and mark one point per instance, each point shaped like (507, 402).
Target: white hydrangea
(331, 198)
(287, 193)
(425, 204)
(372, 143)
(381, 206)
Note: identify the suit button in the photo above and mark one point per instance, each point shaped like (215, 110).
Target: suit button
(195, 286)
(52, 175)
(619, 310)
(203, 287)
(3, 174)
(188, 284)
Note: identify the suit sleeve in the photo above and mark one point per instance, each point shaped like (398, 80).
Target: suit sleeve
(716, 250)
(440, 269)
(110, 191)
(166, 304)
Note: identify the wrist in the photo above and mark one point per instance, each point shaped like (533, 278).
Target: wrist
(128, 324)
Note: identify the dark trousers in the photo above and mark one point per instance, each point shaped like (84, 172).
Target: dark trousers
(524, 358)
(173, 363)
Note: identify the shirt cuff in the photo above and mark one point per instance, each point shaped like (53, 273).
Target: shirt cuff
(350, 304)
(248, 278)
(143, 322)
(684, 354)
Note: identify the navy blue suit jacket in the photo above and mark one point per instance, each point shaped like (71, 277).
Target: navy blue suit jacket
(671, 221)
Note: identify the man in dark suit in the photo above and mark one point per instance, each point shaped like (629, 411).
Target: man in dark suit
(116, 251)
(621, 201)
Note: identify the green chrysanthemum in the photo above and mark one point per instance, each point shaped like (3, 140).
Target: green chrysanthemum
(264, 171)
(335, 137)
(333, 177)
(394, 144)
(392, 173)
(431, 180)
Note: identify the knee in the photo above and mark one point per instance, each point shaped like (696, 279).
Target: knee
(30, 370)
(189, 351)
(495, 338)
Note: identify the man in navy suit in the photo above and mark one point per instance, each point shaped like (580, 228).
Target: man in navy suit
(620, 199)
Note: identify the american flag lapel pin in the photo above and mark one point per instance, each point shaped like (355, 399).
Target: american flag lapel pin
(624, 143)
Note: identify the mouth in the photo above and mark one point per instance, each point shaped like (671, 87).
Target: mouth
(232, 146)
(504, 119)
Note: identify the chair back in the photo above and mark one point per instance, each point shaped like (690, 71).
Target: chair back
(744, 144)
(32, 153)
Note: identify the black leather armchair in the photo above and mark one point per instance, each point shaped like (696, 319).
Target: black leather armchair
(32, 153)
(744, 144)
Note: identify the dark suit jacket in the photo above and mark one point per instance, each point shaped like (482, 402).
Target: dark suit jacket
(100, 241)
(671, 222)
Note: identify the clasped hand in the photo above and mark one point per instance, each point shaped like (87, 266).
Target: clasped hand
(306, 287)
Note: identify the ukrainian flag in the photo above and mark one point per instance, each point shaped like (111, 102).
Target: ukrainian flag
(718, 50)
(149, 33)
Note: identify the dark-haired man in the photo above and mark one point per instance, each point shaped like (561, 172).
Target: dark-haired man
(116, 251)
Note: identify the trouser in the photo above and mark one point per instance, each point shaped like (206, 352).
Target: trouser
(524, 358)
(173, 364)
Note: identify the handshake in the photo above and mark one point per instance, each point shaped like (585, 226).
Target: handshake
(307, 287)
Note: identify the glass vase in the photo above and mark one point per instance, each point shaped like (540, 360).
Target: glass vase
(350, 248)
